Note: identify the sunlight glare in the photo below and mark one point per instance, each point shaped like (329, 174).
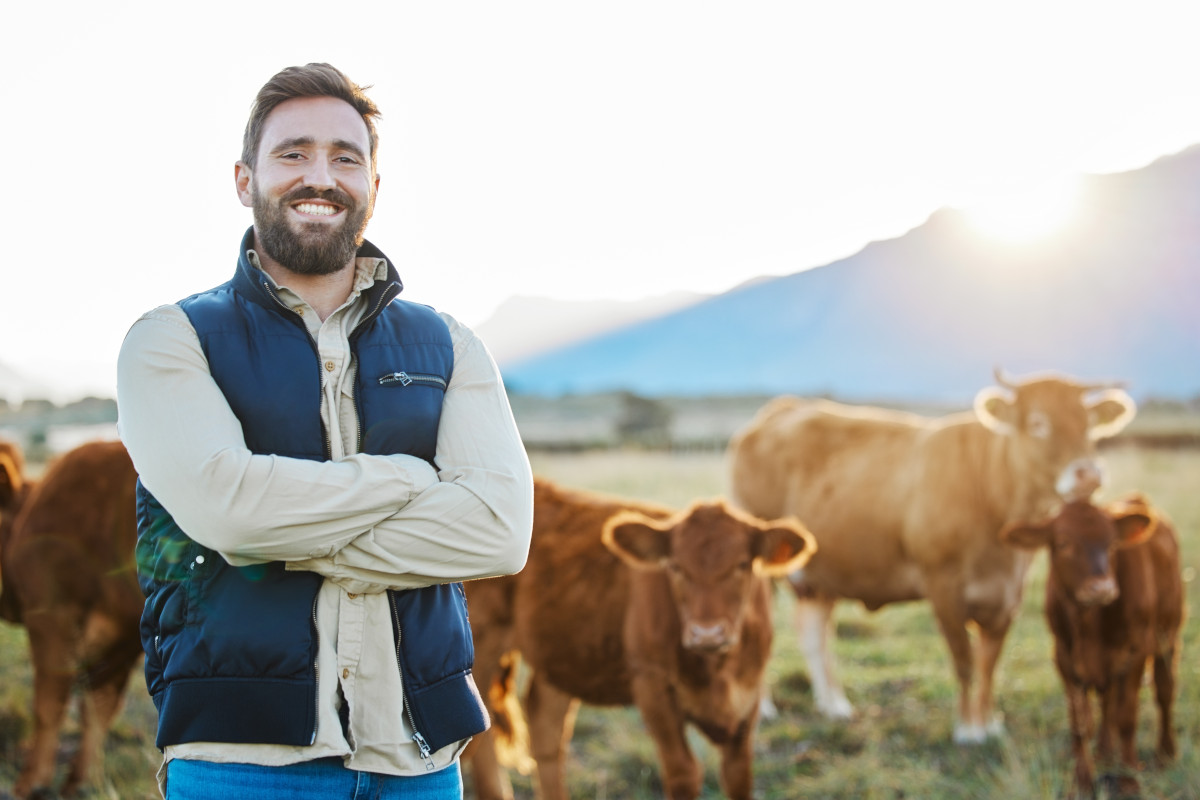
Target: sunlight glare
(1026, 214)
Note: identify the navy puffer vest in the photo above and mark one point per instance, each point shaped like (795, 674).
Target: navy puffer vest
(231, 651)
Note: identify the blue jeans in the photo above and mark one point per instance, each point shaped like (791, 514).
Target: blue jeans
(323, 779)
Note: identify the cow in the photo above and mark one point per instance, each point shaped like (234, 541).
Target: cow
(14, 488)
(1114, 600)
(624, 603)
(906, 507)
(69, 578)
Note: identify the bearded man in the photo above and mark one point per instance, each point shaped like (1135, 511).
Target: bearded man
(320, 464)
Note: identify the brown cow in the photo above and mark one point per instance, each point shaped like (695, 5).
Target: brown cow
(905, 507)
(69, 578)
(14, 486)
(1114, 600)
(624, 602)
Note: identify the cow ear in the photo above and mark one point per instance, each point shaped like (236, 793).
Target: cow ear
(1134, 527)
(639, 541)
(10, 479)
(1029, 535)
(994, 408)
(1109, 414)
(783, 546)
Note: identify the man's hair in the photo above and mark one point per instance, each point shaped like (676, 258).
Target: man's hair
(311, 80)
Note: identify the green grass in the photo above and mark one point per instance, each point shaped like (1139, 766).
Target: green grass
(893, 662)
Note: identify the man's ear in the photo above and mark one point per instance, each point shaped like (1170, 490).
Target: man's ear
(243, 178)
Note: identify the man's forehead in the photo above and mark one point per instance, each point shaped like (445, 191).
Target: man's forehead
(320, 119)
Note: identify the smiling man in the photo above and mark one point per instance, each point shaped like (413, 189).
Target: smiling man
(320, 464)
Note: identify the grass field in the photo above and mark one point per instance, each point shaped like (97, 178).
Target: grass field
(893, 662)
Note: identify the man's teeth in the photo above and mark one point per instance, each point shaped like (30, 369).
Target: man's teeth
(318, 210)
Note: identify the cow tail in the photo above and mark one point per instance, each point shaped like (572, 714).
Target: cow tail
(510, 730)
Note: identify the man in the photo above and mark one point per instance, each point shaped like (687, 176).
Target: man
(319, 464)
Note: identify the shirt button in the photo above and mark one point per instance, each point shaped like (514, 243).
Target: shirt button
(299, 310)
(329, 365)
(351, 595)
(345, 673)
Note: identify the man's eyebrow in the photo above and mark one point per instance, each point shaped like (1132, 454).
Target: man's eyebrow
(309, 141)
(350, 147)
(295, 141)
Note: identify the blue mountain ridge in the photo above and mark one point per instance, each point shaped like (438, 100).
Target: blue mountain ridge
(926, 316)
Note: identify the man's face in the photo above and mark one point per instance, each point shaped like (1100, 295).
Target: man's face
(313, 189)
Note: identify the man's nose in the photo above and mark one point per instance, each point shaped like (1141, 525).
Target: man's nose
(319, 174)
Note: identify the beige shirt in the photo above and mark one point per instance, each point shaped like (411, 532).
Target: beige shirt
(367, 523)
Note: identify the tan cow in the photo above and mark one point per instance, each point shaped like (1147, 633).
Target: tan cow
(904, 508)
(628, 603)
(69, 578)
(1114, 601)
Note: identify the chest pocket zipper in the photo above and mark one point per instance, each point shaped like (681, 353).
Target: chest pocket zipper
(410, 378)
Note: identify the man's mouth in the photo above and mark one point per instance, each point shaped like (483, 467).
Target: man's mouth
(317, 209)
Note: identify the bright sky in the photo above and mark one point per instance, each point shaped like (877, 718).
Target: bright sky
(563, 149)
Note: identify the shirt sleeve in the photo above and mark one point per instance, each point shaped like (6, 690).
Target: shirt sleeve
(189, 451)
(475, 521)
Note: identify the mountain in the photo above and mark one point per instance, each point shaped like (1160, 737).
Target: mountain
(523, 326)
(926, 316)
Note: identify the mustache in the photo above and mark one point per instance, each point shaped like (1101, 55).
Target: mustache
(308, 193)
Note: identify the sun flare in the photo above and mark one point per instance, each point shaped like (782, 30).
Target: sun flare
(1028, 214)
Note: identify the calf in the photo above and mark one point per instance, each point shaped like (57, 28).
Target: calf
(1114, 600)
(626, 603)
(69, 578)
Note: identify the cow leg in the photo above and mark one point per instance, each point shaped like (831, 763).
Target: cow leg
(98, 707)
(990, 644)
(1164, 695)
(815, 627)
(681, 772)
(1080, 711)
(551, 714)
(54, 670)
(106, 657)
(949, 606)
(495, 670)
(1125, 707)
(737, 758)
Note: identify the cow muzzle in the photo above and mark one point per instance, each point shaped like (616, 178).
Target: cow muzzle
(716, 637)
(1081, 478)
(1097, 591)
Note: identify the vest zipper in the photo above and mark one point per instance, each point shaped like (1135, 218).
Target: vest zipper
(426, 753)
(407, 379)
(316, 674)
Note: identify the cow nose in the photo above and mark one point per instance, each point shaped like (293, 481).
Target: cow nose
(1098, 591)
(1079, 480)
(706, 637)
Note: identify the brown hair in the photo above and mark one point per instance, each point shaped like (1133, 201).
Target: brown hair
(311, 80)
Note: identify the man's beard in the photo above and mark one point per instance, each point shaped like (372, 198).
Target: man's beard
(316, 249)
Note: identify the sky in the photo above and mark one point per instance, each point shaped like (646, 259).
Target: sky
(571, 150)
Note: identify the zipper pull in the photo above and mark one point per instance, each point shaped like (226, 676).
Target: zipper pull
(426, 753)
(396, 377)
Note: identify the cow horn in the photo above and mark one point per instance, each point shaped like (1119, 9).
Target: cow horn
(1002, 380)
(1088, 388)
